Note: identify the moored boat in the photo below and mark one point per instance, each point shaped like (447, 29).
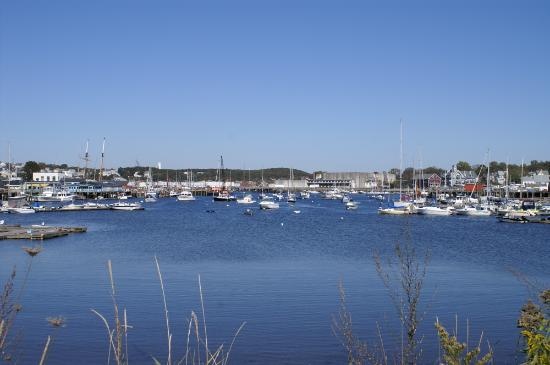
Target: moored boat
(126, 206)
(21, 210)
(429, 210)
(269, 203)
(247, 199)
(186, 196)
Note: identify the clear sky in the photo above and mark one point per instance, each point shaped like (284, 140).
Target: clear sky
(309, 84)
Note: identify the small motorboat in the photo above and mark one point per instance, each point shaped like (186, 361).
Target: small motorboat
(269, 203)
(126, 206)
(247, 199)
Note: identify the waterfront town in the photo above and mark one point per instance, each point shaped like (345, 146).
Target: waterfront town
(425, 191)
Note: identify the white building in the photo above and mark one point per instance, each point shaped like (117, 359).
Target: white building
(48, 176)
(538, 180)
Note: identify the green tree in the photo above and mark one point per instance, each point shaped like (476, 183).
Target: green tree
(463, 166)
(29, 168)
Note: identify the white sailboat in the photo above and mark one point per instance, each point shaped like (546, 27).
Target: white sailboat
(400, 207)
(223, 195)
(291, 197)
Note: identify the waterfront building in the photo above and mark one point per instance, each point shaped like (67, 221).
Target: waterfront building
(351, 180)
(536, 180)
(458, 178)
(428, 181)
(48, 176)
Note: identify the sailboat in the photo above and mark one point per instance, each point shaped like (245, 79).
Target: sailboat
(291, 197)
(479, 210)
(223, 195)
(400, 207)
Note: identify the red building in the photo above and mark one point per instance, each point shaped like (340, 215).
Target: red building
(474, 187)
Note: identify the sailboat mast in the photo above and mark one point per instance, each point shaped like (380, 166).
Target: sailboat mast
(401, 159)
(507, 182)
(9, 166)
(86, 158)
(222, 173)
(488, 176)
(102, 160)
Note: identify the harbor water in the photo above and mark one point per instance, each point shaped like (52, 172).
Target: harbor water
(277, 270)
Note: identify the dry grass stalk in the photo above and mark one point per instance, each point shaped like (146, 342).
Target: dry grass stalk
(115, 335)
(168, 333)
(45, 352)
(358, 352)
(197, 353)
(404, 280)
(8, 312)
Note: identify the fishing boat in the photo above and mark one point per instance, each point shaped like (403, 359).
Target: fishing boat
(185, 196)
(224, 196)
(52, 195)
(305, 195)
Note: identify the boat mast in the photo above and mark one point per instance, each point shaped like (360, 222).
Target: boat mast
(401, 160)
(521, 181)
(222, 173)
(102, 160)
(488, 177)
(507, 182)
(86, 159)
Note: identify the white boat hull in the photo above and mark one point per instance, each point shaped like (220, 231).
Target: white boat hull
(433, 211)
(269, 205)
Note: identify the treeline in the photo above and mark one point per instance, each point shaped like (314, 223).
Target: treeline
(213, 174)
(513, 169)
(283, 172)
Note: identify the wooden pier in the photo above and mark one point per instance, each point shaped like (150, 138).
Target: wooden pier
(36, 232)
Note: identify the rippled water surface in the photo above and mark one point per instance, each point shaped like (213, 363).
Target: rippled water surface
(278, 271)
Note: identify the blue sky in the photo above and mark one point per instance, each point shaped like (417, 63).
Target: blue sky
(309, 84)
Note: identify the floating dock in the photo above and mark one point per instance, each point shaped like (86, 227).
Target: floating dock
(36, 232)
